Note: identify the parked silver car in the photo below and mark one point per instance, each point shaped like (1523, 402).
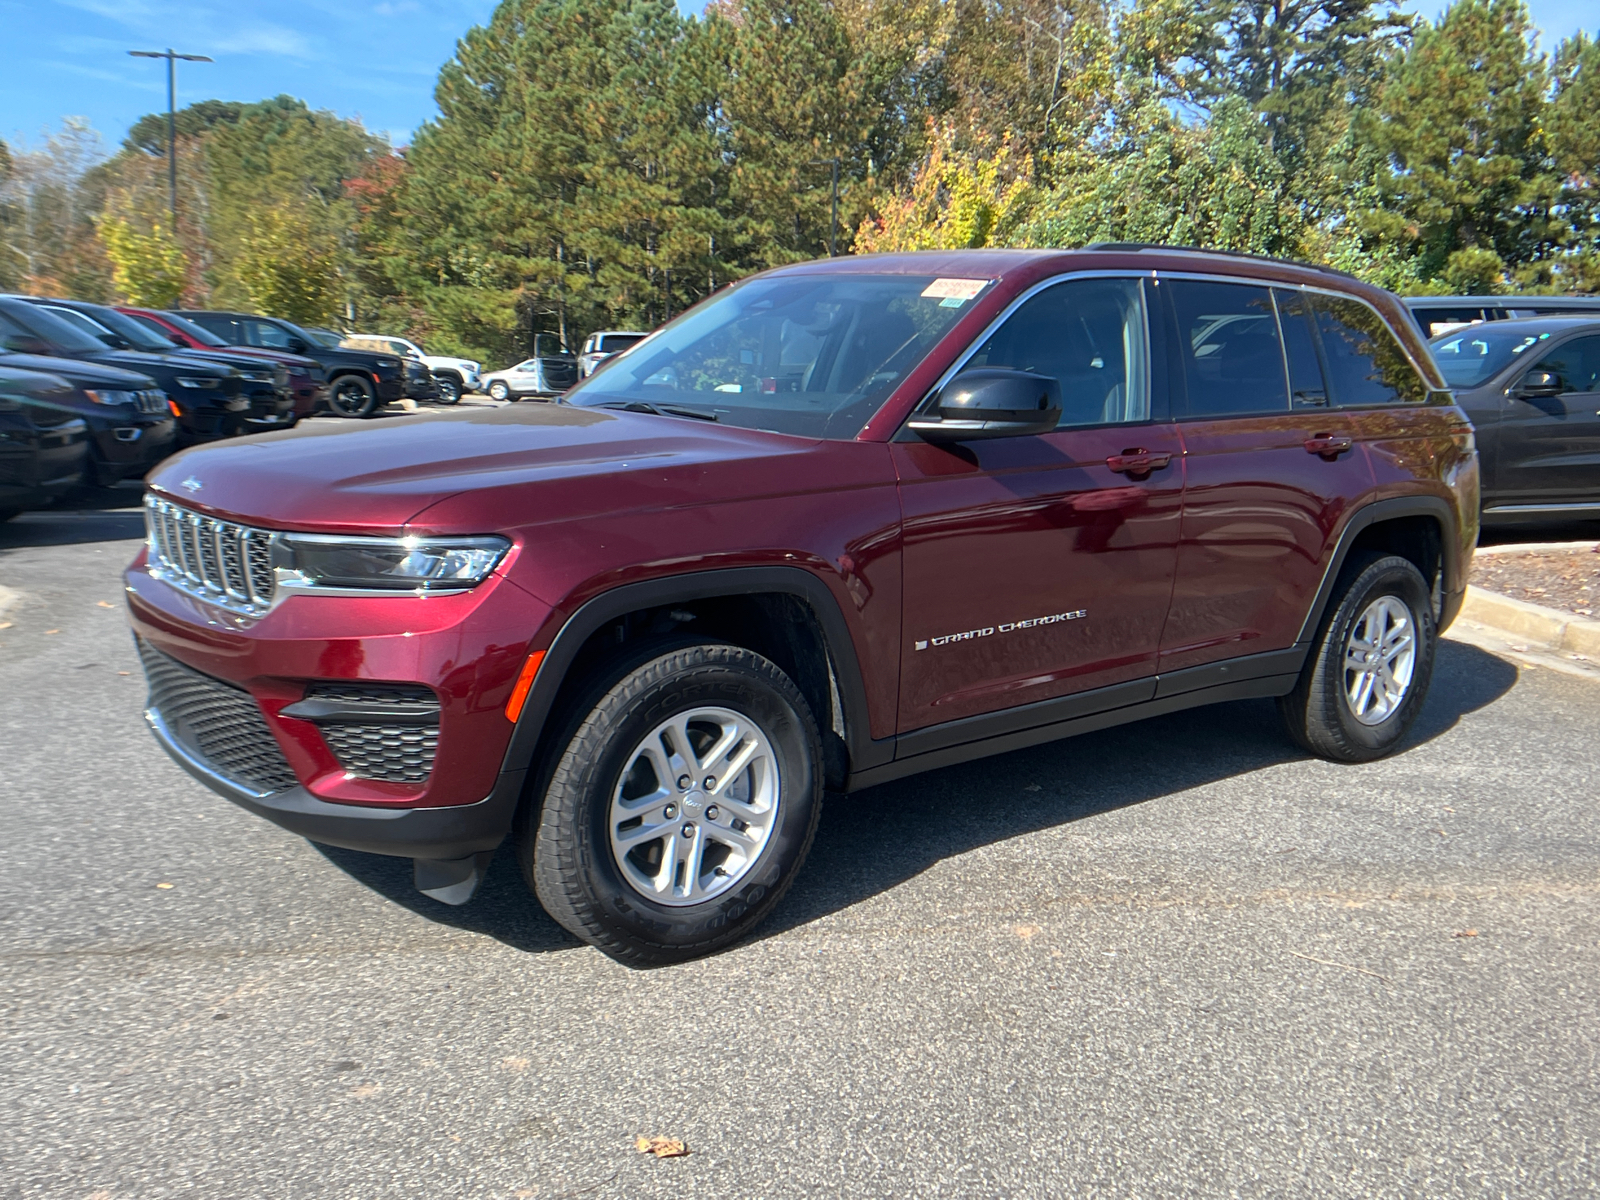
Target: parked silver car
(608, 343)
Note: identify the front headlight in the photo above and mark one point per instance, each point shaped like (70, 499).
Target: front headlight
(257, 376)
(101, 396)
(388, 362)
(406, 564)
(210, 382)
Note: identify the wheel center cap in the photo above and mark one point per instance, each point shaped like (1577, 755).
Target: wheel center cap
(694, 801)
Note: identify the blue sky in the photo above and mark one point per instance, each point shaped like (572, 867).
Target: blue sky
(375, 59)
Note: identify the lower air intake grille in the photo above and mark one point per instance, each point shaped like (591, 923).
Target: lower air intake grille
(392, 753)
(217, 723)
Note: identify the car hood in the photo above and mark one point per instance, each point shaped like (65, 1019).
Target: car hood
(81, 373)
(140, 360)
(356, 477)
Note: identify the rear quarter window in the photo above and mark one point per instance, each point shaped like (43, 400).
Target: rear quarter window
(1365, 363)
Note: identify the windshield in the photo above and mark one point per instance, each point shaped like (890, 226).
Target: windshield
(319, 336)
(1474, 355)
(813, 355)
(134, 333)
(199, 333)
(52, 329)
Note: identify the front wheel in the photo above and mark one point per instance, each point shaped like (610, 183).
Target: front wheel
(499, 391)
(449, 389)
(681, 806)
(352, 396)
(1368, 674)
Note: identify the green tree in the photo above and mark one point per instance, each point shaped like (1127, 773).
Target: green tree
(289, 267)
(1467, 187)
(146, 266)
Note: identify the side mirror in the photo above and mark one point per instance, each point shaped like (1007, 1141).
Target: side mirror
(1538, 385)
(20, 343)
(297, 346)
(177, 340)
(992, 402)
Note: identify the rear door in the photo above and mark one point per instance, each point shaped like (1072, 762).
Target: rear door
(1272, 467)
(1550, 445)
(1040, 566)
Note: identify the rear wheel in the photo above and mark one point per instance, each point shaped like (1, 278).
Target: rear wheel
(352, 396)
(499, 391)
(1368, 673)
(449, 388)
(681, 807)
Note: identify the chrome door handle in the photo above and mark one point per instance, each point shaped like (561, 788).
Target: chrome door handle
(1138, 461)
(1328, 445)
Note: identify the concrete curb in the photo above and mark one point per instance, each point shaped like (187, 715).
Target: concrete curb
(1548, 628)
(1512, 549)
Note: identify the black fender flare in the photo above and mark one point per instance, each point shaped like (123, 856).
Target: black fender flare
(1388, 510)
(599, 611)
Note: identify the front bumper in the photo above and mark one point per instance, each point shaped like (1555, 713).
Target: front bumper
(129, 447)
(467, 648)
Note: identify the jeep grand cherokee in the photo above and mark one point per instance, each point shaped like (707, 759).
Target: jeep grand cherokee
(842, 522)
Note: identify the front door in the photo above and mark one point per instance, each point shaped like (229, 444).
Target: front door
(1040, 566)
(1272, 466)
(1550, 445)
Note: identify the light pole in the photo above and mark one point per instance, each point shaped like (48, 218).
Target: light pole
(172, 58)
(833, 212)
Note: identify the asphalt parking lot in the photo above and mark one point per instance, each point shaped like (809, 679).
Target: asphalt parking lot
(1175, 959)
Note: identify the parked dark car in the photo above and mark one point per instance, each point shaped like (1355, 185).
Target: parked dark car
(130, 422)
(44, 443)
(265, 385)
(306, 376)
(359, 381)
(208, 397)
(1440, 314)
(842, 522)
(1532, 389)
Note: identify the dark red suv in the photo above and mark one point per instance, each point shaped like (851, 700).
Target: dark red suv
(843, 522)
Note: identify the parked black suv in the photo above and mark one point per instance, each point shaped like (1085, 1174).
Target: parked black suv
(131, 427)
(359, 381)
(266, 385)
(209, 396)
(43, 443)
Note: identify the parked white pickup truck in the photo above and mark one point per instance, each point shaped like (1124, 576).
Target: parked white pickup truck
(453, 375)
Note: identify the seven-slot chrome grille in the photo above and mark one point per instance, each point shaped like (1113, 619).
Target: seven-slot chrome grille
(150, 401)
(221, 561)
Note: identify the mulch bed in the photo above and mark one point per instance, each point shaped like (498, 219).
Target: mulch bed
(1564, 579)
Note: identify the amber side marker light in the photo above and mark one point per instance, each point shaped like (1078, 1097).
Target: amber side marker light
(173, 405)
(519, 694)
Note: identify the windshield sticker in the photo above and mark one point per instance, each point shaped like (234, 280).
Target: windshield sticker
(953, 293)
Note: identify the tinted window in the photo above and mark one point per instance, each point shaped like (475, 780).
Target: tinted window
(809, 354)
(204, 336)
(83, 323)
(225, 328)
(615, 343)
(265, 334)
(1307, 387)
(1576, 364)
(1228, 342)
(1468, 357)
(1365, 363)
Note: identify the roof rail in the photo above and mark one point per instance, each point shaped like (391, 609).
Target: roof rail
(1224, 253)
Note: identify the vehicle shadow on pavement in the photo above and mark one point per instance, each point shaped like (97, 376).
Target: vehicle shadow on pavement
(113, 516)
(869, 842)
(874, 840)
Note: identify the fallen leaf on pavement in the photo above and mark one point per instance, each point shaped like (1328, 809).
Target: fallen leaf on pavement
(163, 885)
(1465, 933)
(661, 1147)
(513, 1064)
(124, 672)
(105, 604)
(366, 1089)
(6, 624)
(1026, 931)
(52, 631)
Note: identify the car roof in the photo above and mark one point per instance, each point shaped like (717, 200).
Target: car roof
(1577, 302)
(995, 263)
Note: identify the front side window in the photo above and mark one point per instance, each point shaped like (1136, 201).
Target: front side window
(266, 335)
(1576, 364)
(811, 354)
(225, 328)
(1088, 334)
(1366, 365)
(1232, 358)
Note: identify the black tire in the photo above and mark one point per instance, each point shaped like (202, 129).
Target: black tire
(352, 396)
(449, 389)
(499, 391)
(565, 847)
(1319, 714)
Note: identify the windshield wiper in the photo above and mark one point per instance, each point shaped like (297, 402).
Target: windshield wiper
(660, 410)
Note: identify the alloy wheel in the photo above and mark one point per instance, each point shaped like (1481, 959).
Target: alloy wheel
(1379, 658)
(695, 807)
